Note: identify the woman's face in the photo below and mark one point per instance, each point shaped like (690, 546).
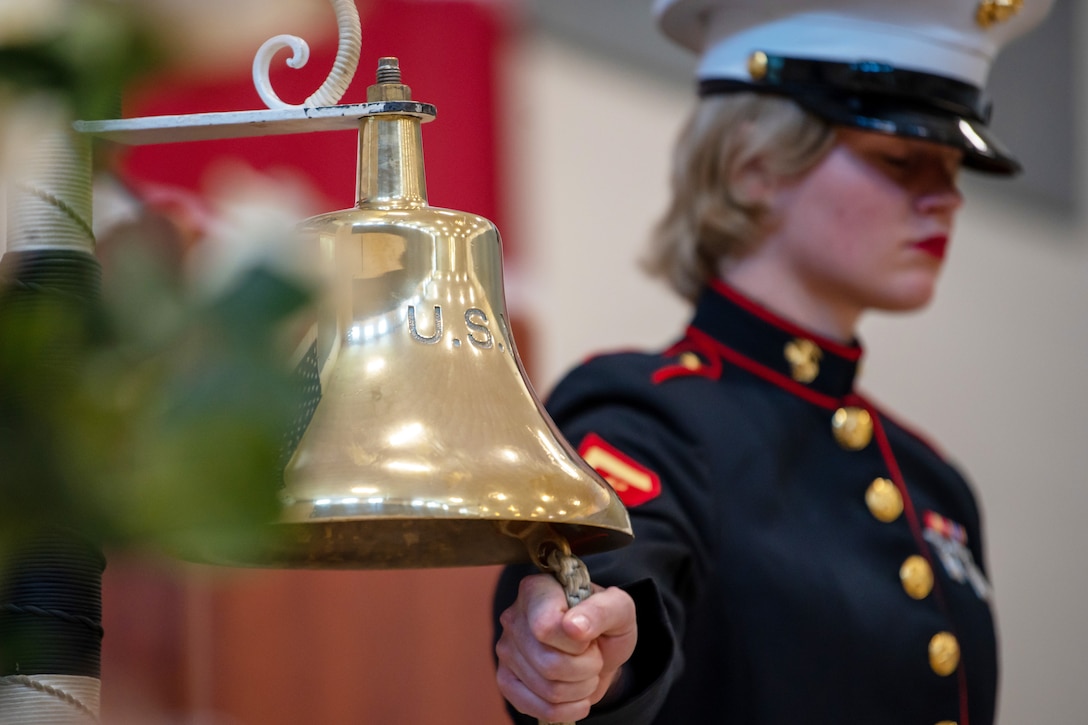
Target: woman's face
(869, 225)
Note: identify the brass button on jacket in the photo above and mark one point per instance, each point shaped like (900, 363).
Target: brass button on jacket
(884, 500)
(803, 356)
(916, 576)
(691, 361)
(944, 653)
(853, 427)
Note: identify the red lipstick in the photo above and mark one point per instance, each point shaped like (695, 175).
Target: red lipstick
(935, 245)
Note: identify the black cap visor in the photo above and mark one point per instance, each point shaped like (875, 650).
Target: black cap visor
(876, 97)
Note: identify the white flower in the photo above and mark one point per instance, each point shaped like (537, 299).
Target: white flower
(253, 224)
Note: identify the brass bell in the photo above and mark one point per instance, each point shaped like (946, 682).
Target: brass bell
(428, 446)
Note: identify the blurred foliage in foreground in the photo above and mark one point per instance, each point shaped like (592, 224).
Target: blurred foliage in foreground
(157, 418)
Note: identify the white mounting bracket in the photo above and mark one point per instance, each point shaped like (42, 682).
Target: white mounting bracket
(318, 113)
(242, 124)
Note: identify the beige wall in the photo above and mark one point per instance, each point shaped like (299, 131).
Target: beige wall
(994, 370)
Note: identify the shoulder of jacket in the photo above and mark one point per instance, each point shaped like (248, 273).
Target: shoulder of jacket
(681, 360)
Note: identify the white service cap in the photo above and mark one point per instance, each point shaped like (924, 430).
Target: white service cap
(909, 67)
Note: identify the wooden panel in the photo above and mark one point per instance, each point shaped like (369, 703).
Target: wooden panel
(144, 671)
(348, 647)
(270, 647)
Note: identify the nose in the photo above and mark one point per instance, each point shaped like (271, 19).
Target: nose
(943, 201)
(937, 192)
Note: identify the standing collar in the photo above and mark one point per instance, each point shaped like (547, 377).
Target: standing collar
(784, 353)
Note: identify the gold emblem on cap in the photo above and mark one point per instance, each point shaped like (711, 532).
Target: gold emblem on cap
(803, 355)
(853, 427)
(916, 576)
(997, 11)
(948, 722)
(944, 653)
(884, 500)
(757, 65)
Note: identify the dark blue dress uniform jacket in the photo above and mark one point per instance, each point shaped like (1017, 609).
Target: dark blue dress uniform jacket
(783, 572)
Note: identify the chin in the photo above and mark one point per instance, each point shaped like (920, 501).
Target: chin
(910, 292)
(910, 300)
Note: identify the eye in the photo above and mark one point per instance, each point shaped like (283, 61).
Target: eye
(952, 164)
(895, 160)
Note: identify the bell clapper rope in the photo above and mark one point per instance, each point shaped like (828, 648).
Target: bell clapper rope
(551, 553)
(571, 572)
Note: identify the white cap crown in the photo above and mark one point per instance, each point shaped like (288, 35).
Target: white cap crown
(954, 38)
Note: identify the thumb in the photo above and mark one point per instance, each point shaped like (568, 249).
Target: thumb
(609, 613)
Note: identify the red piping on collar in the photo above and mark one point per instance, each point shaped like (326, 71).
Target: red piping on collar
(711, 370)
(771, 376)
(850, 352)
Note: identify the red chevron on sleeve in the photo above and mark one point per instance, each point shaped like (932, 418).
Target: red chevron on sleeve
(633, 482)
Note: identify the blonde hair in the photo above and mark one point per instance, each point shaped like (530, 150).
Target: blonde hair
(708, 219)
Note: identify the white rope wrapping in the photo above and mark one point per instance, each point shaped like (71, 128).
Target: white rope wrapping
(343, 69)
(49, 700)
(51, 198)
(50, 208)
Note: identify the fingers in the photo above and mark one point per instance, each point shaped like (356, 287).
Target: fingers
(554, 663)
(608, 619)
(533, 693)
(545, 603)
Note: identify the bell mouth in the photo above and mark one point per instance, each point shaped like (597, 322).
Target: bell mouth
(393, 543)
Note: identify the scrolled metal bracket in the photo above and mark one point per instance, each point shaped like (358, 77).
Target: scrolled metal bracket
(319, 112)
(343, 70)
